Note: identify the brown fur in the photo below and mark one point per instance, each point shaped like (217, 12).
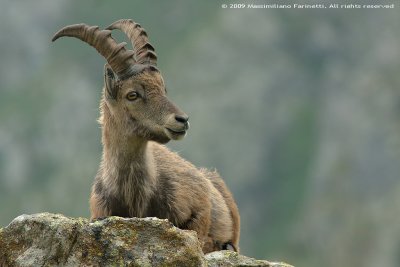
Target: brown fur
(139, 177)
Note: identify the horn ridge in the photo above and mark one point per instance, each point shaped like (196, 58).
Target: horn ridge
(119, 58)
(139, 40)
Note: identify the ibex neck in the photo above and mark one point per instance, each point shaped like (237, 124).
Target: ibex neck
(124, 150)
(121, 152)
(117, 145)
(127, 167)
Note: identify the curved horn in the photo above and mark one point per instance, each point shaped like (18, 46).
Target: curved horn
(116, 55)
(144, 51)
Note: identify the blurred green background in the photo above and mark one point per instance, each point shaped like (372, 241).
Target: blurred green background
(297, 109)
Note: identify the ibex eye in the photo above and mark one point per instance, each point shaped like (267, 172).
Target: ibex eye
(132, 96)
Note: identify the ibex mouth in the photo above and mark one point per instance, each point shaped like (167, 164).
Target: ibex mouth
(177, 131)
(175, 134)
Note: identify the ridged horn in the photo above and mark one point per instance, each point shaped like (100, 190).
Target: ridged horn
(144, 51)
(120, 59)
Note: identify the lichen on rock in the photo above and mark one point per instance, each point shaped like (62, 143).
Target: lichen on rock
(226, 258)
(47, 239)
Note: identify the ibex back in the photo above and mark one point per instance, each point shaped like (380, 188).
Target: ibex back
(138, 176)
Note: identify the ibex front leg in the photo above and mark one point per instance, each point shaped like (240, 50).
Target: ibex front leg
(200, 222)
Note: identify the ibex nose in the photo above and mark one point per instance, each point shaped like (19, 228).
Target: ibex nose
(182, 118)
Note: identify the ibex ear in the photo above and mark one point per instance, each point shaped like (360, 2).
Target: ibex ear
(110, 82)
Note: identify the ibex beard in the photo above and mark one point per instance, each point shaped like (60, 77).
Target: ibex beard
(138, 176)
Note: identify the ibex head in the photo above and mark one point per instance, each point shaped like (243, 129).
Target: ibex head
(134, 89)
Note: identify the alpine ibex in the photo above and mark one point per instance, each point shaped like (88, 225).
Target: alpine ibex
(138, 176)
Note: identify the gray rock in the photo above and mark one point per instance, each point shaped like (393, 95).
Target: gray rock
(226, 258)
(47, 239)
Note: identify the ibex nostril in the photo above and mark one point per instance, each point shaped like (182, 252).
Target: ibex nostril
(182, 118)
